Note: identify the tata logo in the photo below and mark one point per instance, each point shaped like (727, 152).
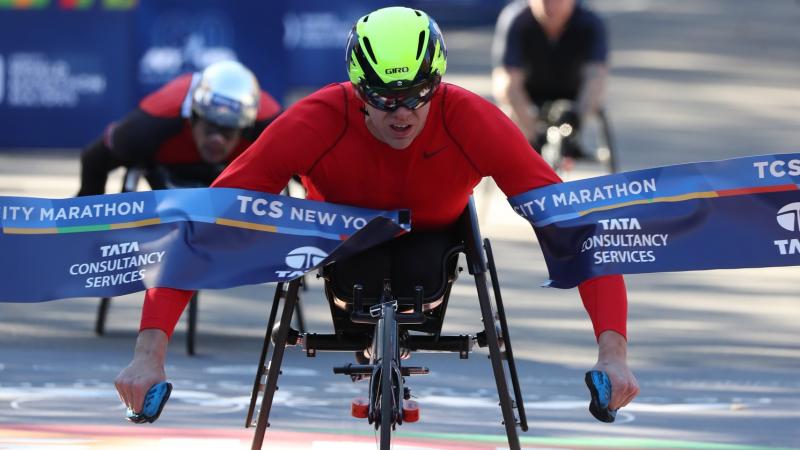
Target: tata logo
(789, 219)
(123, 248)
(393, 70)
(622, 223)
(301, 259)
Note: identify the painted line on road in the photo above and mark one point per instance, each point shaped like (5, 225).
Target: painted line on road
(584, 442)
(114, 437)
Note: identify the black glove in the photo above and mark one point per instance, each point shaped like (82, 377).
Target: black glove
(600, 387)
(154, 402)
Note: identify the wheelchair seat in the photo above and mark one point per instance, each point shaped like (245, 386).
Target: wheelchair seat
(425, 259)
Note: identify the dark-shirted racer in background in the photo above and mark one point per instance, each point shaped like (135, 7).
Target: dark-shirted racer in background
(550, 68)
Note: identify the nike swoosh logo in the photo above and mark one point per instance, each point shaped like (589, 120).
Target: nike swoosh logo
(427, 155)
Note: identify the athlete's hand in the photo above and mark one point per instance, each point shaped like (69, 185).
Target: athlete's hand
(145, 370)
(612, 359)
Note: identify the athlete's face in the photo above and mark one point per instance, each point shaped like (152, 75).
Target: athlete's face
(397, 128)
(214, 143)
(553, 11)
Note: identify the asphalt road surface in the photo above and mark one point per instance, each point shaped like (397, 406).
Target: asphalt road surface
(717, 353)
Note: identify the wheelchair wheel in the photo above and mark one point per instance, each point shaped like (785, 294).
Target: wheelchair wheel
(389, 395)
(596, 141)
(552, 154)
(607, 150)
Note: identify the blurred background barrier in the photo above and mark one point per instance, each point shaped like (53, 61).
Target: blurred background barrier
(171, 37)
(450, 13)
(94, 59)
(58, 63)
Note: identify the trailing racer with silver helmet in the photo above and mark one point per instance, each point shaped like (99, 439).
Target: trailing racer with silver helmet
(188, 130)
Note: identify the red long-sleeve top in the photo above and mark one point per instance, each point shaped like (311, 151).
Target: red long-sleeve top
(324, 139)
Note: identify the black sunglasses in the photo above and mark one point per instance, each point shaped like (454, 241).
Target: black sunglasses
(390, 100)
(210, 128)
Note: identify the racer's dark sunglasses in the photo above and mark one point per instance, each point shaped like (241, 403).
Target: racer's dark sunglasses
(390, 100)
(211, 128)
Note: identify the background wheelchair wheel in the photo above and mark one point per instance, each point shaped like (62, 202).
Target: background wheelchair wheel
(551, 153)
(607, 151)
(596, 144)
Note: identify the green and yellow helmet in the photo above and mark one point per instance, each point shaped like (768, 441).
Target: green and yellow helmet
(396, 57)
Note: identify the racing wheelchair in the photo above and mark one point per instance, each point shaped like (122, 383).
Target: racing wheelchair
(562, 139)
(386, 302)
(175, 177)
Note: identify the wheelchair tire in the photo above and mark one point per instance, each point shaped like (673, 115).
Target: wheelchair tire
(388, 393)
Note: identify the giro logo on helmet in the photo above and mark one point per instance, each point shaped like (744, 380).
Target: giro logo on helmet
(301, 259)
(393, 70)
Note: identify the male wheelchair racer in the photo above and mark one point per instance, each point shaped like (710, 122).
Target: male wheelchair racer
(384, 303)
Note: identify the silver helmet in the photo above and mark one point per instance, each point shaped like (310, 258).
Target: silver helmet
(227, 95)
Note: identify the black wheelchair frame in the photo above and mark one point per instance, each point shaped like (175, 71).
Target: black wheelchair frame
(391, 318)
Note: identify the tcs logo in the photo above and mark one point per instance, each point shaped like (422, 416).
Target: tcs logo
(789, 217)
(301, 259)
